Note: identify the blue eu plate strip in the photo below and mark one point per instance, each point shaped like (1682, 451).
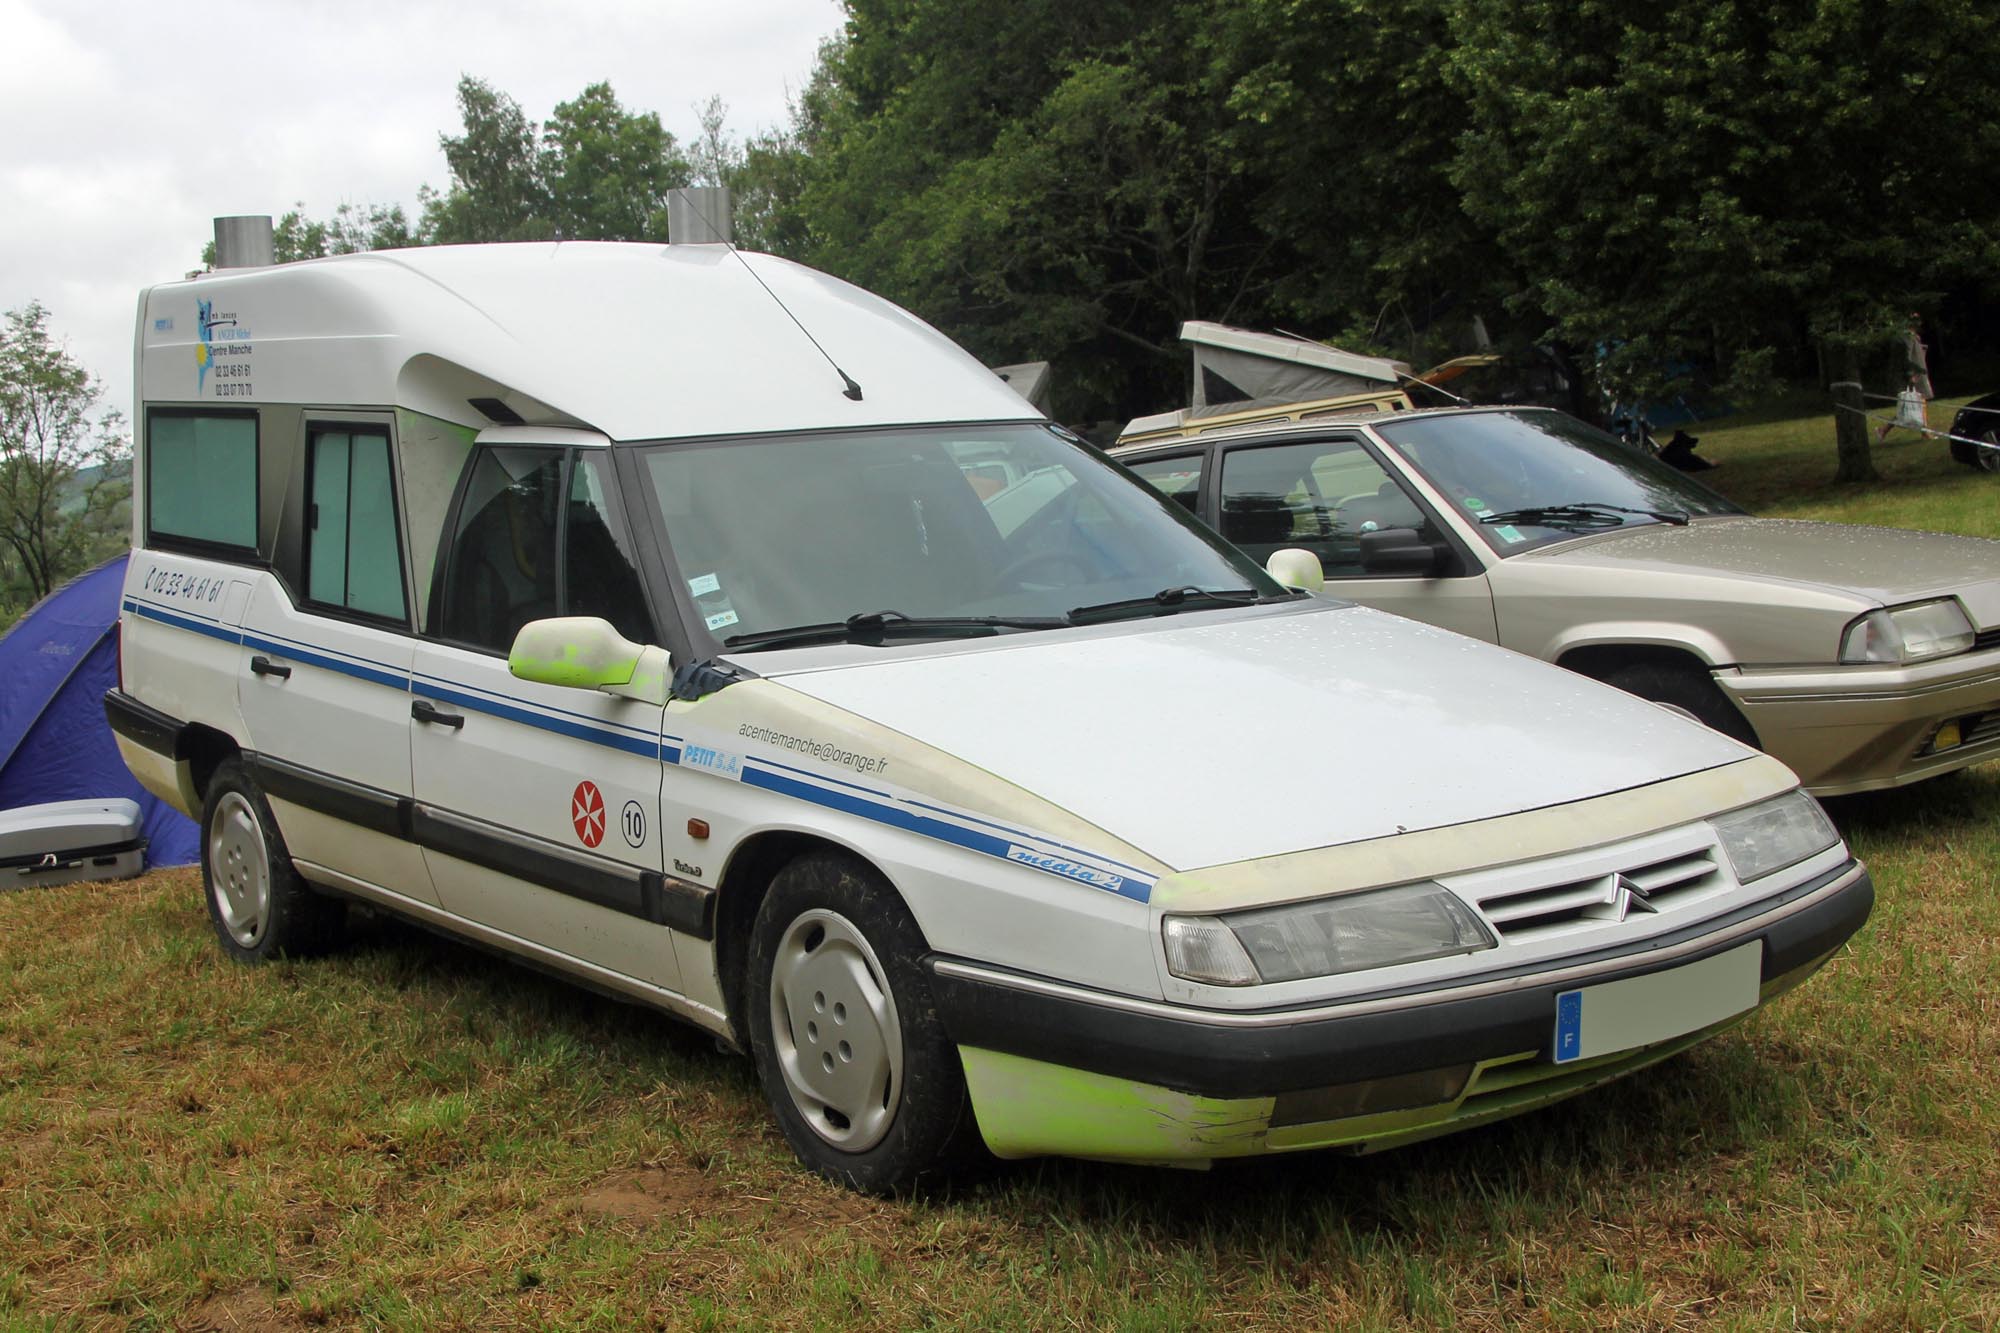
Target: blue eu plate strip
(1569, 1026)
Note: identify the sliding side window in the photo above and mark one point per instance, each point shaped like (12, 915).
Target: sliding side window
(354, 554)
(201, 482)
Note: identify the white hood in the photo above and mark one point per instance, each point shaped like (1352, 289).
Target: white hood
(1205, 741)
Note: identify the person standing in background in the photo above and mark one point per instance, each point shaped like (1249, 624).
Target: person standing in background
(1916, 365)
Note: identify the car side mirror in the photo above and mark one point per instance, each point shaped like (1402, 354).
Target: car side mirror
(1401, 551)
(586, 653)
(1296, 569)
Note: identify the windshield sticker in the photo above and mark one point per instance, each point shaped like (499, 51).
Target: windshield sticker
(719, 762)
(1509, 533)
(703, 586)
(1474, 502)
(722, 620)
(820, 750)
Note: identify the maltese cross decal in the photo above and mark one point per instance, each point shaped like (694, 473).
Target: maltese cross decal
(586, 811)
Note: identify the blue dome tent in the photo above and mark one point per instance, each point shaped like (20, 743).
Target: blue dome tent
(55, 745)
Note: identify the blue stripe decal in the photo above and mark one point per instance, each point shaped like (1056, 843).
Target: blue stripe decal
(375, 675)
(649, 747)
(1039, 837)
(883, 809)
(839, 782)
(1136, 888)
(640, 743)
(446, 683)
(1015, 833)
(208, 628)
(279, 643)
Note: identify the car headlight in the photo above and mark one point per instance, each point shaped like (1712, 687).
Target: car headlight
(1350, 933)
(1910, 633)
(1771, 835)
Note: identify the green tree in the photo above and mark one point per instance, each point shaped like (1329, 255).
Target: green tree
(714, 158)
(1348, 129)
(777, 166)
(1042, 180)
(351, 229)
(605, 172)
(496, 191)
(1724, 180)
(64, 468)
(594, 171)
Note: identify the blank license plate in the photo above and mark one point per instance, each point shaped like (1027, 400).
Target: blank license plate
(1622, 1015)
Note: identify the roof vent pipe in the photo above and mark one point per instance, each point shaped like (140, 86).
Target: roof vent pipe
(699, 215)
(244, 242)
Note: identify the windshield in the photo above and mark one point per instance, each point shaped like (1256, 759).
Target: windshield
(1011, 521)
(1498, 464)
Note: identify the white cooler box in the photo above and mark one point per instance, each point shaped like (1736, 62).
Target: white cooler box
(70, 840)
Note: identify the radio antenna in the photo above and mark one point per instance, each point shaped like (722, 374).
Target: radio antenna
(852, 390)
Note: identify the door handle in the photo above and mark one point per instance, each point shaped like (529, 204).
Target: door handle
(261, 665)
(423, 710)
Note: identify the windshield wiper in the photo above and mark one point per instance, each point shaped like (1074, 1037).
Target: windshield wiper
(1583, 515)
(1167, 601)
(874, 627)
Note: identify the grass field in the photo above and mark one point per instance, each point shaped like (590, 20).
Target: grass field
(415, 1135)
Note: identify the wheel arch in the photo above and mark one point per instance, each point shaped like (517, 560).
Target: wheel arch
(1605, 661)
(1601, 660)
(1583, 646)
(746, 877)
(202, 750)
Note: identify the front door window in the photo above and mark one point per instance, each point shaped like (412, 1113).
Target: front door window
(1320, 496)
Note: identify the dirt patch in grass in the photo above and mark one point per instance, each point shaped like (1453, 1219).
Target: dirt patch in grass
(649, 1194)
(797, 1210)
(246, 1310)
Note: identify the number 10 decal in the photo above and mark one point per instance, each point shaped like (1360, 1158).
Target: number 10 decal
(633, 821)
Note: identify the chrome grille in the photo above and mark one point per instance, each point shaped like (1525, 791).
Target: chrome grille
(1520, 912)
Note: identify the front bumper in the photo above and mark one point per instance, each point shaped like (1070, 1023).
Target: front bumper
(1057, 1069)
(1849, 729)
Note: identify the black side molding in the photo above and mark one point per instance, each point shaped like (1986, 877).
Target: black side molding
(143, 725)
(646, 894)
(372, 809)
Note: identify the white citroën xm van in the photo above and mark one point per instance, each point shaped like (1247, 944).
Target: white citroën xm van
(650, 613)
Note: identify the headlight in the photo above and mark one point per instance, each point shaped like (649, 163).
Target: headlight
(1773, 834)
(1356, 931)
(1908, 633)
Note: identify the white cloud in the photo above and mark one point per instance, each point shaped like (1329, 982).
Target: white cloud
(132, 124)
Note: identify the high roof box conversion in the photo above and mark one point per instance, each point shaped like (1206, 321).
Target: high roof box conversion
(720, 635)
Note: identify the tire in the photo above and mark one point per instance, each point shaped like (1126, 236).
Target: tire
(858, 1070)
(259, 906)
(1687, 691)
(1988, 459)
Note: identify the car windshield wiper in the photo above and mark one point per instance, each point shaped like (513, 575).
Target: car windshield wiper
(1167, 601)
(1582, 514)
(874, 627)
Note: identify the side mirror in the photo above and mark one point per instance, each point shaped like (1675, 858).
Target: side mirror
(1296, 569)
(1401, 551)
(586, 653)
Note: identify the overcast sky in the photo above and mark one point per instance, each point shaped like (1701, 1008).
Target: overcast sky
(131, 124)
